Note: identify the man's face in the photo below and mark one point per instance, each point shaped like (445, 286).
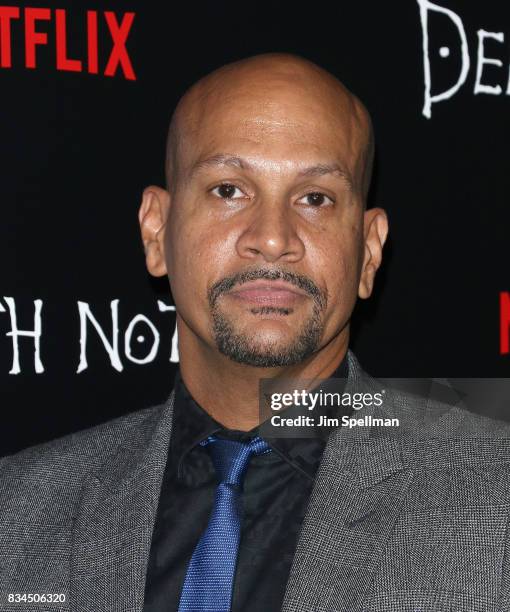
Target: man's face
(263, 241)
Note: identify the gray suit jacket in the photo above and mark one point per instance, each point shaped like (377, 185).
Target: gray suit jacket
(411, 519)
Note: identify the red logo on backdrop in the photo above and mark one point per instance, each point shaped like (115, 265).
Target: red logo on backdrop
(504, 318)
(32, 23)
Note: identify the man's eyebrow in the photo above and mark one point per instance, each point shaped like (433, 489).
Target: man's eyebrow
(322, 169)
(219, 160)
(242, 164)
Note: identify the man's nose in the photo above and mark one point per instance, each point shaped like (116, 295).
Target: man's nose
(271, 235)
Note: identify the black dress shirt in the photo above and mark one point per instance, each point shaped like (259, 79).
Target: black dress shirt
(276, 489)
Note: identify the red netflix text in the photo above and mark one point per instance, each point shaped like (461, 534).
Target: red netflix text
(35, 31)
(504, 317)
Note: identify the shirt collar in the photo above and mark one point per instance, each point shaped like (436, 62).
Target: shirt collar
(192, 424)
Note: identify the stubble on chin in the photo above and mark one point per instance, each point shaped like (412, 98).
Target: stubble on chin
(243, 347)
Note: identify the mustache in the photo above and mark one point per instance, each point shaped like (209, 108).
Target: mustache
(298, 280)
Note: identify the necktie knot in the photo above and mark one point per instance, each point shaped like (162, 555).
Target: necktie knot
(231, 457)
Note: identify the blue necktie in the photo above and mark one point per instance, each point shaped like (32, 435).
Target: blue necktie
(210, 574)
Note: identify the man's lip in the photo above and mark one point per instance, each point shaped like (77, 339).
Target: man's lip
(267, 293)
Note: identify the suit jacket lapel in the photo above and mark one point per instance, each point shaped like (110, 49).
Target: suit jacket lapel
(113, 527)
(357, 497)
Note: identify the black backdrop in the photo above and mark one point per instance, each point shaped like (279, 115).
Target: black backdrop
(77, 148)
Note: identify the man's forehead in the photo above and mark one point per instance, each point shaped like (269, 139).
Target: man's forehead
(284, 129)
(269, 100)
(288, 108)
(258, 145)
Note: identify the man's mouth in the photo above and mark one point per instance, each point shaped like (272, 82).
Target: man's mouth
(263, 292)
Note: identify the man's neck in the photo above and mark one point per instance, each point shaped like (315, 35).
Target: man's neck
(229, 391)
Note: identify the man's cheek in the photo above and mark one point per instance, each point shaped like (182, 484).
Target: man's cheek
(342, 286)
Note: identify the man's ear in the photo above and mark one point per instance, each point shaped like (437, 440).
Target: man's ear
(375, 230)
(152, 216)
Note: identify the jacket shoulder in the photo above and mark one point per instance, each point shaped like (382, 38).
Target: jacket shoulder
(431, 418)
(69, 458)
(431, 409)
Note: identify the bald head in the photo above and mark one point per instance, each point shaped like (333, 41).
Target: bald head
(266, 94)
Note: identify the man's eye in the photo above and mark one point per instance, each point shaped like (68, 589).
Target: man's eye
(227, 191)
(316, 198)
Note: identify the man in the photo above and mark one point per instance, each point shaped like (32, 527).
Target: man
(264, 234)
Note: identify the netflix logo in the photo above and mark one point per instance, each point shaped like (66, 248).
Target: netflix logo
(44, 27)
